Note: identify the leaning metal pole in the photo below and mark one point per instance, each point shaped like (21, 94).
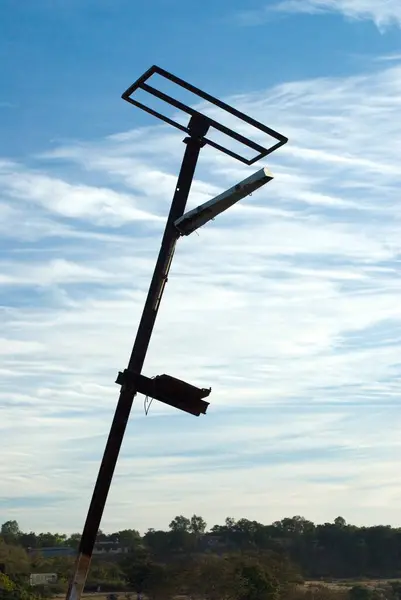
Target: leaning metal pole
(198, 127)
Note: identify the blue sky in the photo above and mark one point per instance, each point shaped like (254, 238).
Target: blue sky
(288, 306)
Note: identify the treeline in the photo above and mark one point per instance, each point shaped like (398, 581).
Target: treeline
(337, 549)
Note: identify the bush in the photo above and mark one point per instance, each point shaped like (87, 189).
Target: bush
(43, 591)
(58, 588)
(106, 586)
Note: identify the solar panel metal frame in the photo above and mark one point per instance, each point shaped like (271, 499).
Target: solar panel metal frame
(262, 151)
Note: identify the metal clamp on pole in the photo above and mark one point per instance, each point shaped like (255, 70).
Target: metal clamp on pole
(126, 377)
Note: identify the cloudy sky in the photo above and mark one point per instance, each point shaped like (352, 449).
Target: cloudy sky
(288, 305)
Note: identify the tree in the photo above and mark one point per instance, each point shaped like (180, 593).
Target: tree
(197, 525)
(160, 583)
(150, 578)
(10, 531)
(180, 523)
(28, 540)
(245, 532)
(211, 577)
(63, 566)
(180, 539)
(255, 582)
(130, 538)
(157, 542)
(340, 522)
(101, 537)
(74, 540)
(46, 540)
(231, 577)
(106, 572)
(361, 592)
(14, 558)
(295, 526)
(10, 590)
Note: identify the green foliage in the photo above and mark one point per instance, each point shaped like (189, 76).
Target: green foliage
(197, 525)
(340, 522)
(180, 523)
(153, 579)
(130, 538)
(256, 582)
(5, 583)
(106, 571)
(209, 577)
(363, 592)
(237, 560)
(73, 540)
(10, 590)
(14, 558)
(10, 532)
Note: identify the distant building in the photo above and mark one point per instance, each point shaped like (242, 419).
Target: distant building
(53, 552)
(110, 548)
(42, 578)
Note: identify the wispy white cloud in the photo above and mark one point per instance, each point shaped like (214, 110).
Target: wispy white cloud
(383, 14)
(288, 306)
(394, 57)
(103, 205)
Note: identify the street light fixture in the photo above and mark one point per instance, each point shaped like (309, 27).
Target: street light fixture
(209, 210)
(165, 388)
